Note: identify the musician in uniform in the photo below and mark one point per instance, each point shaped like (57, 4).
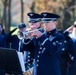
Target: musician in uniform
(15, 42)
(65, 54)
(72, 51)
(13, 39)
(47, 46)
(71, 46)
(34, 23)
(22, 28)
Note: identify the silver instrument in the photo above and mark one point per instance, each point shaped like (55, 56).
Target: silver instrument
(21, 35)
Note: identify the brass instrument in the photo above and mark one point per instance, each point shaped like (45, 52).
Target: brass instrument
(21, 35)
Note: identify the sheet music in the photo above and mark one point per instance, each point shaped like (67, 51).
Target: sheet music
(21, 59)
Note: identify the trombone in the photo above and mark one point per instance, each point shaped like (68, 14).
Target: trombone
(21, 35)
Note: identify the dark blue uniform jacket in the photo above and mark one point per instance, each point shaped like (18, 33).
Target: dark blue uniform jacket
(47, 52)
(72, 55)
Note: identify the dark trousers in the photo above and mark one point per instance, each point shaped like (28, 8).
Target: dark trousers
(64, 68)
(72, 68)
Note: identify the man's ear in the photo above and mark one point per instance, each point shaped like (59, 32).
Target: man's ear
(55, 22)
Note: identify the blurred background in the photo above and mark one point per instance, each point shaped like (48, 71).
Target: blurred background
(13, 12)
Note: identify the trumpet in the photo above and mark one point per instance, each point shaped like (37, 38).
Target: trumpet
(21, 35)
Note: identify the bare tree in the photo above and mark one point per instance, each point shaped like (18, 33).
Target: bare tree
(6, 19)
(22, 11)
(67, 17)
(8, 16)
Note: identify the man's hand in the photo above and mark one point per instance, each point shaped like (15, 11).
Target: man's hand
(37, 34)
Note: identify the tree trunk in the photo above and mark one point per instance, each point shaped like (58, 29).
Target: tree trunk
(6, 19)
(4, 22)
(9, 17)
(22, 11)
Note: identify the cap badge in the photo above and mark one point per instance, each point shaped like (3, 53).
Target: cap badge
(31, 14)
(45, 14)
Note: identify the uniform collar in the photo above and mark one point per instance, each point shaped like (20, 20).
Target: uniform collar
(53, 32)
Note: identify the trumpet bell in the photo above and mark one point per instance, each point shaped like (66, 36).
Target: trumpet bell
(20, 35)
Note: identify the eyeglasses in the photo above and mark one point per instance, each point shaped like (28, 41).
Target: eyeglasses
(33, 21)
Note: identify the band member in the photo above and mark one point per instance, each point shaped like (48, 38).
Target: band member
(22, 28)
(47, 46)
(15, 42)
(13, 39)
(72, 51)
(65, 54)
(69, 52)
(34, 23)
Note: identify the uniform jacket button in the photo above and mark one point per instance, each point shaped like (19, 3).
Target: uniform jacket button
(40, 47)
(65, 41)
(28, 56)
(37, 65)
(60, 43)
(63, 49)
(38, 56)
(37, 60)
(28, 60)
(28, 52)
(39, 52)
(72, 58)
